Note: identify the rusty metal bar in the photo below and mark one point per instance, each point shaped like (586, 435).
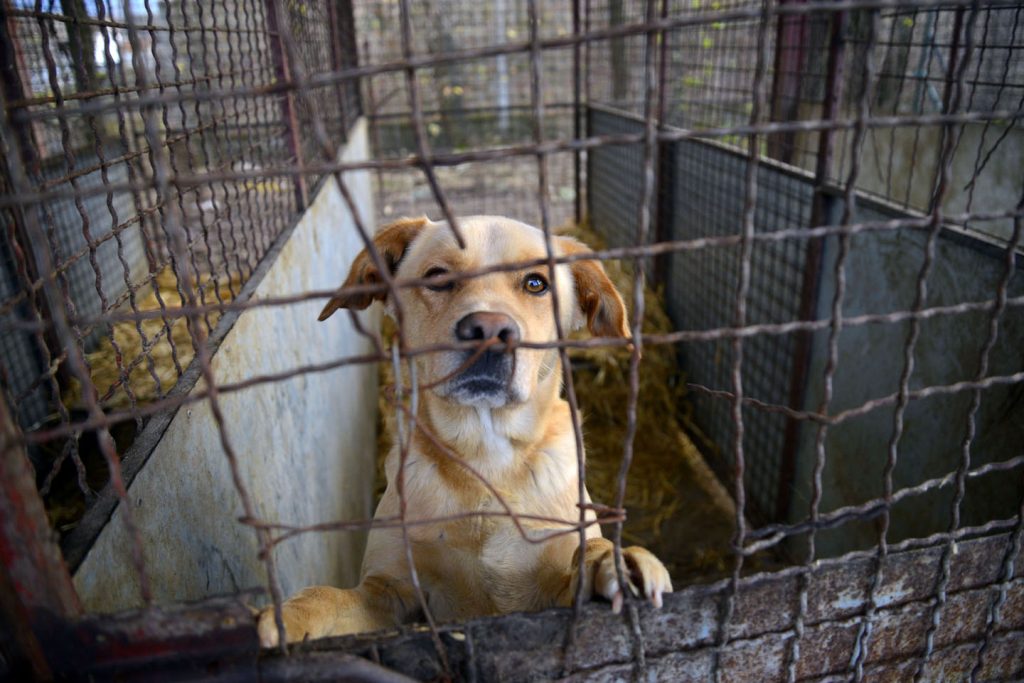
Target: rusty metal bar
(35, 587)
(729, 595)
(422, 141)
(338, 60)
(537, 104)
(665, 170)
(823, 209)
(790, 56)
(651, 158)
(836, 318)
(288, 113)
(577, 112)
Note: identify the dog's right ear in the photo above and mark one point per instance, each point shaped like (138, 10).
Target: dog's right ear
(391, 243)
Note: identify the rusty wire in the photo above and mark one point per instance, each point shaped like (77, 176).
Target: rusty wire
(530, 150)
(653, 91)
(951, 101)
(729, 595)
(158, 195)
(970, 431)
(537, 105)
(835, 328)
(634, 252)
(631, 29)
(298, 75)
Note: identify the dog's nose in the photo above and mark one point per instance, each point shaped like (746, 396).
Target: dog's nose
(483, 326)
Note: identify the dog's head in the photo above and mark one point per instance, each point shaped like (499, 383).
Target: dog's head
(500, 309)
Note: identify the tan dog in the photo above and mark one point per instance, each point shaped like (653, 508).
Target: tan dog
(501, 415)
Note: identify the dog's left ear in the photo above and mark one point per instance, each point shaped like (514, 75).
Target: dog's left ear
(600, 302)
(391, 243)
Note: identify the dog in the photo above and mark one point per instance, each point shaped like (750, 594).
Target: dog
(493, 415)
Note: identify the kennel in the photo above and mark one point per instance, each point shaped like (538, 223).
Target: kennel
(827, 196)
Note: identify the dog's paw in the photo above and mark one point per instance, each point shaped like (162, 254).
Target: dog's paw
(266, 627)
(644, 572)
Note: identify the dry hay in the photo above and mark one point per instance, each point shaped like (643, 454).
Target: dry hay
(675, 505)
(143, 355)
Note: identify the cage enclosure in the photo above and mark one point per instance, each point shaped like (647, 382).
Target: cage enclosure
(813, 209)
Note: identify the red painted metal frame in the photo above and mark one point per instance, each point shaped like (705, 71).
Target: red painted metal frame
(36, 592)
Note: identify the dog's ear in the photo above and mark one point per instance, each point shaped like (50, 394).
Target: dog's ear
(391, 242)
(597, 297)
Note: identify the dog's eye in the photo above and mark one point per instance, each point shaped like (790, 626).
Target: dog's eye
(438, 272)
(535, 284)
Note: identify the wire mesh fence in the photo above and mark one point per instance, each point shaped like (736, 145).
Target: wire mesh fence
(828, 196)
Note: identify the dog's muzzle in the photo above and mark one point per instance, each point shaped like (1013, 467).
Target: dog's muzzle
(486, 378)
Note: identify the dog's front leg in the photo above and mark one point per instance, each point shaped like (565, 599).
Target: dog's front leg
(321, 611)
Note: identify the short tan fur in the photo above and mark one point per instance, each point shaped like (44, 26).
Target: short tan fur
(502, 416)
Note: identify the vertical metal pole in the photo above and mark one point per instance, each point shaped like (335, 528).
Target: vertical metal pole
(288, 114)
(820, 211)
(619, 66)
(664, 168)
(36, 592)
(790, 56)
(501, 66)
(577, 124)
(349, 55)
(586, 113)
(371, 118)
(337, 64)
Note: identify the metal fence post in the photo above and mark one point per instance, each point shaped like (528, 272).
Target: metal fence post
(36, 592)
(577, 123)
(821, 214)
(338, 62)
(790, 57)
(288, 114)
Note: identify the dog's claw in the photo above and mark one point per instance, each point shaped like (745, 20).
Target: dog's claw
(617, 598)
(649, 579)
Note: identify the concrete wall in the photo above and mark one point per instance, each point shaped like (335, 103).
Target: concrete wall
(306, 446)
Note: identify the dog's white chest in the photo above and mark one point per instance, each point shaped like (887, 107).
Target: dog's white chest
(497, 446)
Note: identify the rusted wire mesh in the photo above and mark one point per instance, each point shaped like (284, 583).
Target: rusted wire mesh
(766, 164)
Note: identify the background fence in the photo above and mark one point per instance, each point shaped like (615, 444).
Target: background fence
(829, 197)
